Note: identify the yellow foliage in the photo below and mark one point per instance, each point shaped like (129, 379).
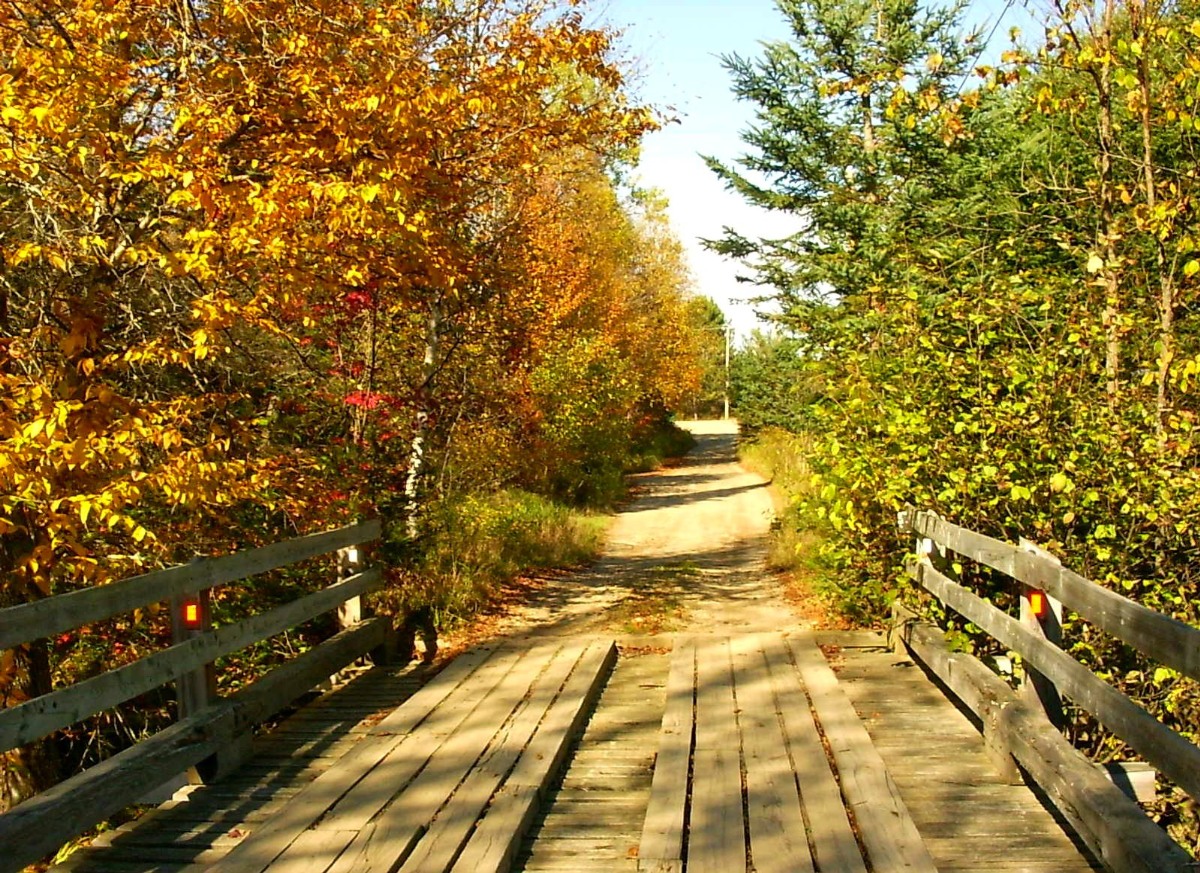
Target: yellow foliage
(218, 231)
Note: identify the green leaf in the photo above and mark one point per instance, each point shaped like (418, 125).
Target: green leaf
(1164, 674)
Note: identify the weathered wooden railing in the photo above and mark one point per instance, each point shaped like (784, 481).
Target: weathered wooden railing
(1022, 726)
(212, 732)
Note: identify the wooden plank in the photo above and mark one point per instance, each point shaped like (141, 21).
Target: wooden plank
(716, 722)
(778, 836)
(774, 816)
(43, 823)
(495, 842)
(834, 846)
(663, 828)
(624, 728)
(382, 844)
(1113, 826)
(494, 846)
(38, 717)
(659, 866)
(717, 835)
(44, 618)
(311, 851)
(1177, 758)
(417, 804)
(451, 728)
(566, 718)
(1163, 638)
(891, 838)
(449, 831)
(269, 841)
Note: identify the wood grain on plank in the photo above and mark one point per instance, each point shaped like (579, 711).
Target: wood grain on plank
(663, 829)
(269, 841)
(452, 826)
(778, 836)
(891, 838)
(833, 843)
(716, 721)
(472, 708)
(495, 843)
(496, 839)
(568, 715)
(441, 770)
(717, 835)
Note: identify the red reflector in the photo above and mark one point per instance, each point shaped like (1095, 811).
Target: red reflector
(1038, 604)
(191, 615)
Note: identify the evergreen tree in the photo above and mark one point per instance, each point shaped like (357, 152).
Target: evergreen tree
(837, 139)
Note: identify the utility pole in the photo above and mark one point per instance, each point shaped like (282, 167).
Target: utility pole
(728, 342)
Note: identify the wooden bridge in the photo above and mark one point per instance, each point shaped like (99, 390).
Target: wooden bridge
(749, 752)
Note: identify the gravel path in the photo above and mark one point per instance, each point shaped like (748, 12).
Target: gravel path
(687, 554)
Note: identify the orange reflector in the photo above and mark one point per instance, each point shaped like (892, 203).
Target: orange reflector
(1038, 604)
(191, 615)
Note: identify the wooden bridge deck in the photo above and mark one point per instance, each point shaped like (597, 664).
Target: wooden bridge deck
(962, 806)
(714, 754)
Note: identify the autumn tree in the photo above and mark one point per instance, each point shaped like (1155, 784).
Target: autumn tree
(263, 259)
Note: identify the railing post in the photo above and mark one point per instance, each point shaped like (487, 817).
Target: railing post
(191, 616)
(350, 613)
(349, 562)
(1043, 618)
(896, 629)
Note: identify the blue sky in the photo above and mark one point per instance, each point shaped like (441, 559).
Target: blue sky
(675, 47)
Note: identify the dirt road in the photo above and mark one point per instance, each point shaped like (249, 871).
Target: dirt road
(687, 554)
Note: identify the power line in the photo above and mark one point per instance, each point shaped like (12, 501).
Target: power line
(983, 46)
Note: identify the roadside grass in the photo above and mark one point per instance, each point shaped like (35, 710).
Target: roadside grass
(794, 551)
(474, 544)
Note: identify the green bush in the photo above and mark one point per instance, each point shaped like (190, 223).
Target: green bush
(477, 542)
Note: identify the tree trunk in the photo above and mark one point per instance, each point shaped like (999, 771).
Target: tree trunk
(1142, 21)
(25, 673)
(1106, 236)
(416, 457)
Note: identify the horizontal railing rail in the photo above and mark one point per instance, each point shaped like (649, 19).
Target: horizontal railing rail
(1161, 637)
(210, 730)
(1050, 671)
(55, 615)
